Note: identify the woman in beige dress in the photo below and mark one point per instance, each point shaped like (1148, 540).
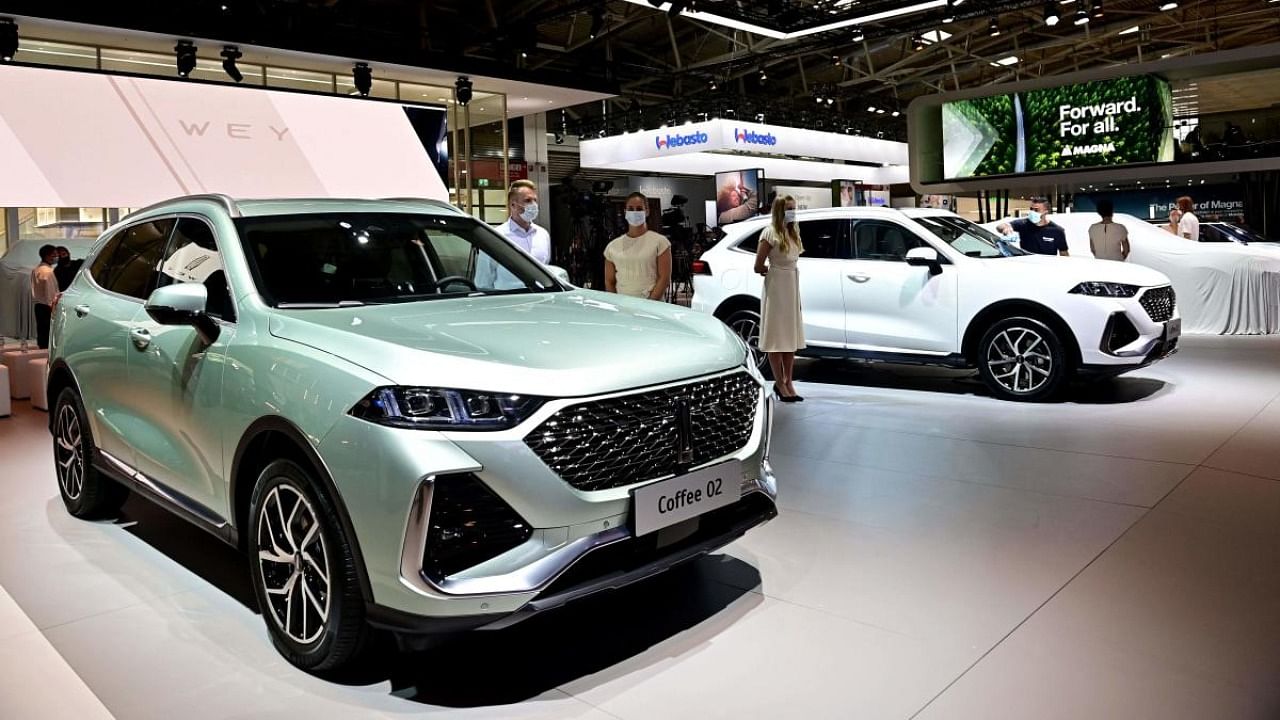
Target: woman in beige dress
(638, 263)
(781, 325)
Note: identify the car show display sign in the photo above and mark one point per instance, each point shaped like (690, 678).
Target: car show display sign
(1095, 124)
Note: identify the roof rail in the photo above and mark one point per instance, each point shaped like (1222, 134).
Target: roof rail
(428, 201)
(224, 200)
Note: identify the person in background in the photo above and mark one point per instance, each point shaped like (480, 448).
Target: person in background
(1175, 215)
(638, 263)
(1036, 233)
(1108, 239)
(781, 322)
(44, 291)
(65, 270)
(522, 210)
(1188, 224)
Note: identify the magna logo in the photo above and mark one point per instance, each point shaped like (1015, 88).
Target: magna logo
(751, 137)
(675, 141)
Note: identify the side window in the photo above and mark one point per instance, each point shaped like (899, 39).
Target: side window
(132, 268)
(453, 253)
(751, 243)
(193, 257)
(883, 240)
(102, 263)
(823, 239)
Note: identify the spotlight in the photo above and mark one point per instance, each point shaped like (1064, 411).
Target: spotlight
(993, 28)
(363, 78)
(858, 35)
(1168, 5)
(917, 42)
(835, 58)
(185, 55)
(8, 39)
(230, 54)
(871, 108)
(714, 85)
(463, 89)
(559, 138)
(1082, 16)
(896, 113)
(763, 75)
(1097, 9)
(597, 21)
(1051, 16)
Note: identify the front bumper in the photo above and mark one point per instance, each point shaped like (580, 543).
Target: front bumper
(386, 477)
(1117, 335)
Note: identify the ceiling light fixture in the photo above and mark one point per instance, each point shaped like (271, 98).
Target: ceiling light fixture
(735, 23)
(1097, 9)
(1168, 5)
(858, 35)
(185, 57)
(362, 78)
(1051, 16)
(463, 89)
(1082, 17)
(993, 27)
(8, 39)
(230, 54)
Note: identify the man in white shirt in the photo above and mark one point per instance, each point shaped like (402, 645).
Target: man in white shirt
(44, 291)
(522, 210)
(1189, 225)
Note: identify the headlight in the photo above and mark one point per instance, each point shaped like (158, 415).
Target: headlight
(1105, 289)
(442, 409)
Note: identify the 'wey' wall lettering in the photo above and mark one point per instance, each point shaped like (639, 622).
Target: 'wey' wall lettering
(235, 131)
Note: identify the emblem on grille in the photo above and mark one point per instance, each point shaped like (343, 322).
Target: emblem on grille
(684, 432)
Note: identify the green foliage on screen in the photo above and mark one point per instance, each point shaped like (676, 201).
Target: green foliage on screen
(1116, 122)
(996, 112)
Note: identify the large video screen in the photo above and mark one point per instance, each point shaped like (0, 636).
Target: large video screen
(73, 139)
(738, 195)
(1095, 124)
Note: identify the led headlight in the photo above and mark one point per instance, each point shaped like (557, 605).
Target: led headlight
(1105, 289)
(443, 409)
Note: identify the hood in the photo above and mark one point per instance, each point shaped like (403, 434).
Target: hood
(562, 344)
(1070, 271)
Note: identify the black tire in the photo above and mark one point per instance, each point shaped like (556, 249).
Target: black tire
(1023, 359)
(87, 493)
(288, 507)
(746, 325)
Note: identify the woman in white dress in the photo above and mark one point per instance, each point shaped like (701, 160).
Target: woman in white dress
(781, 325)
(638, 263)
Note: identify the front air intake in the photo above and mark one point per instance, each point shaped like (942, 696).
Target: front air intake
(469, 524)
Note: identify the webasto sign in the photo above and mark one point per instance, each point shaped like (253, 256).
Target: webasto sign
(1101, 123)
(667, 141)
(751, 137)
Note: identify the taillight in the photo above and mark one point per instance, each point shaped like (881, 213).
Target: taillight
(701, 267)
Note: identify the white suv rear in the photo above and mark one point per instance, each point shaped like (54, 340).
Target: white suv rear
(929, 287)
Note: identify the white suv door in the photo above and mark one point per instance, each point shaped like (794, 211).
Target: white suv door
(822, 302)
(891, 306)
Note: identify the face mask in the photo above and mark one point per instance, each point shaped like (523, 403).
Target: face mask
(530, 212)
(789, 216)
(636, 218)
(1034, 217)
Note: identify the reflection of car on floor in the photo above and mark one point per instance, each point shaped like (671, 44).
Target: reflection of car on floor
(1223, 288)
(929, 287)
(333, 387)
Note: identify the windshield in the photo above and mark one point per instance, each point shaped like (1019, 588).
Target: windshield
(968, 237)
(340, 259)
(1242, 234)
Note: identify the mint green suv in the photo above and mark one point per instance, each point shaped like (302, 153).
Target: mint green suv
(403, 420)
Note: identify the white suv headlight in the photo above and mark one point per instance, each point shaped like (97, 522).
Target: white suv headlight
(444, 409)
(1106, 289)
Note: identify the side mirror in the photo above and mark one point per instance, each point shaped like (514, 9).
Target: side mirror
(925, 257)
(184, 304)
(560, 273)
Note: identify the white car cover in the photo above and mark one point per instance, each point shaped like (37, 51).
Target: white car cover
(1223, 288)
(17, 310)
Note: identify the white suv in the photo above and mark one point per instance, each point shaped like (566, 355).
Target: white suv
(929, 287)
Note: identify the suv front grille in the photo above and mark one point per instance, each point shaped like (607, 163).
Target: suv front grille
(625, 440)
(1159, 303)
(469, 524)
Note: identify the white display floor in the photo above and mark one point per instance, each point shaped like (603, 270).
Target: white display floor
(939, 555)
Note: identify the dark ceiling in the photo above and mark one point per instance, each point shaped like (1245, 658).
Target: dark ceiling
(667, 68)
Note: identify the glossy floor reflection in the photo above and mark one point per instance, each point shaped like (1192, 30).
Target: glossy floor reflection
(940, 554)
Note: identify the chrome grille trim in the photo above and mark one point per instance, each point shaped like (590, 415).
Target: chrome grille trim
(630, 439)
(1159, 303)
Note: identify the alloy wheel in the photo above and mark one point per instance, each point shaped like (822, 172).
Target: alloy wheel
(747, 327)
(69, 452)
(294, 564)
(1019, 360)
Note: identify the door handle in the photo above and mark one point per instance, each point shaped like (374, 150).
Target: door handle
(141, 338)
(859, 277)
(82, 310)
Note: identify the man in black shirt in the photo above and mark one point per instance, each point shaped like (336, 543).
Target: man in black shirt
(1036, 234)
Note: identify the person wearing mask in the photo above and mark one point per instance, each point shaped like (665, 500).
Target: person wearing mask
(522, 210)
(781, 323)
(638, 263)
(1036, 233)
(1108, 239)
(65, 270)
(1171, 227)
(44, 291)
(1188, 224)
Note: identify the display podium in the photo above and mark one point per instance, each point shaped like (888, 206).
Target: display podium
(37, 373)
(17, 362)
